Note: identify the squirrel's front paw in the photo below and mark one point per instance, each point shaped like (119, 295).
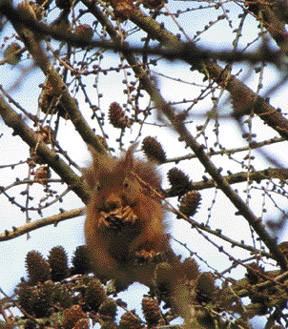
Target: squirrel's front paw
(144, 256)
(129, 215)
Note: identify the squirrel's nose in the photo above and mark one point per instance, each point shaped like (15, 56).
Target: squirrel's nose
(113, 205)
(113, 202)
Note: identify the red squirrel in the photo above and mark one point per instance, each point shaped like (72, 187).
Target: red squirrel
(124, 220)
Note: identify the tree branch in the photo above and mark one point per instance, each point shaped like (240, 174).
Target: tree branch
(240, 93)
(17, 19)
(214, 172)
(14, 121)
(240, 177)
(27, 228)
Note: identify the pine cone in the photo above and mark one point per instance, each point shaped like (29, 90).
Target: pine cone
(42, 174)
(63, 296)
(36, 300)
(153, 149)
(180, 182)
(48, 101)
(58, 261)
(11, 55)
(38, 268)
(205, 287)
(190, 268)
(63, 4)
(153, 4)
(46, 134)
(25, 296)
(117, 117)
(252, 271)
(72, 315)
(26, 8)
(108, 309)
(95, 294)
(122, 8)
(109, 325)
(151, 311)
(81, 261)
(85, 32)
(43, 299)
(190, 202)
(130, 320)
(82, 324)
(164, 278)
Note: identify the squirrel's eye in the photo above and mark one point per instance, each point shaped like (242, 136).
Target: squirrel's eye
(98, 187)
(126, 184)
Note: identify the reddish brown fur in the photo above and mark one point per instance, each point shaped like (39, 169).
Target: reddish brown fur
(113, 184)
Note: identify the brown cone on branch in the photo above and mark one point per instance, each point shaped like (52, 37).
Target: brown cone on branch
(95, 294)
(205, 287)
(190, 202)
(81, 261)
(37, 267)
(190, 268)
(117, 117)
(85, 32)
(72, 315)
(63, 4)
(153, 149)
(153, 4)
(58, 261)
(42, 174)
(130, 320)
(108, 309)
(122, 8)
(180, 182)
(50, 102)
(12, 54)
(151, 311)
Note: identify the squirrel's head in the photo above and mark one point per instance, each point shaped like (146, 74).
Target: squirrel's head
(112, 181)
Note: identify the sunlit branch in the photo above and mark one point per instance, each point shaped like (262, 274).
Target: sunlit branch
(29, 227)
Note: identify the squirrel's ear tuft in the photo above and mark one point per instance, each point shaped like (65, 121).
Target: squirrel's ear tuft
(129, 157)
